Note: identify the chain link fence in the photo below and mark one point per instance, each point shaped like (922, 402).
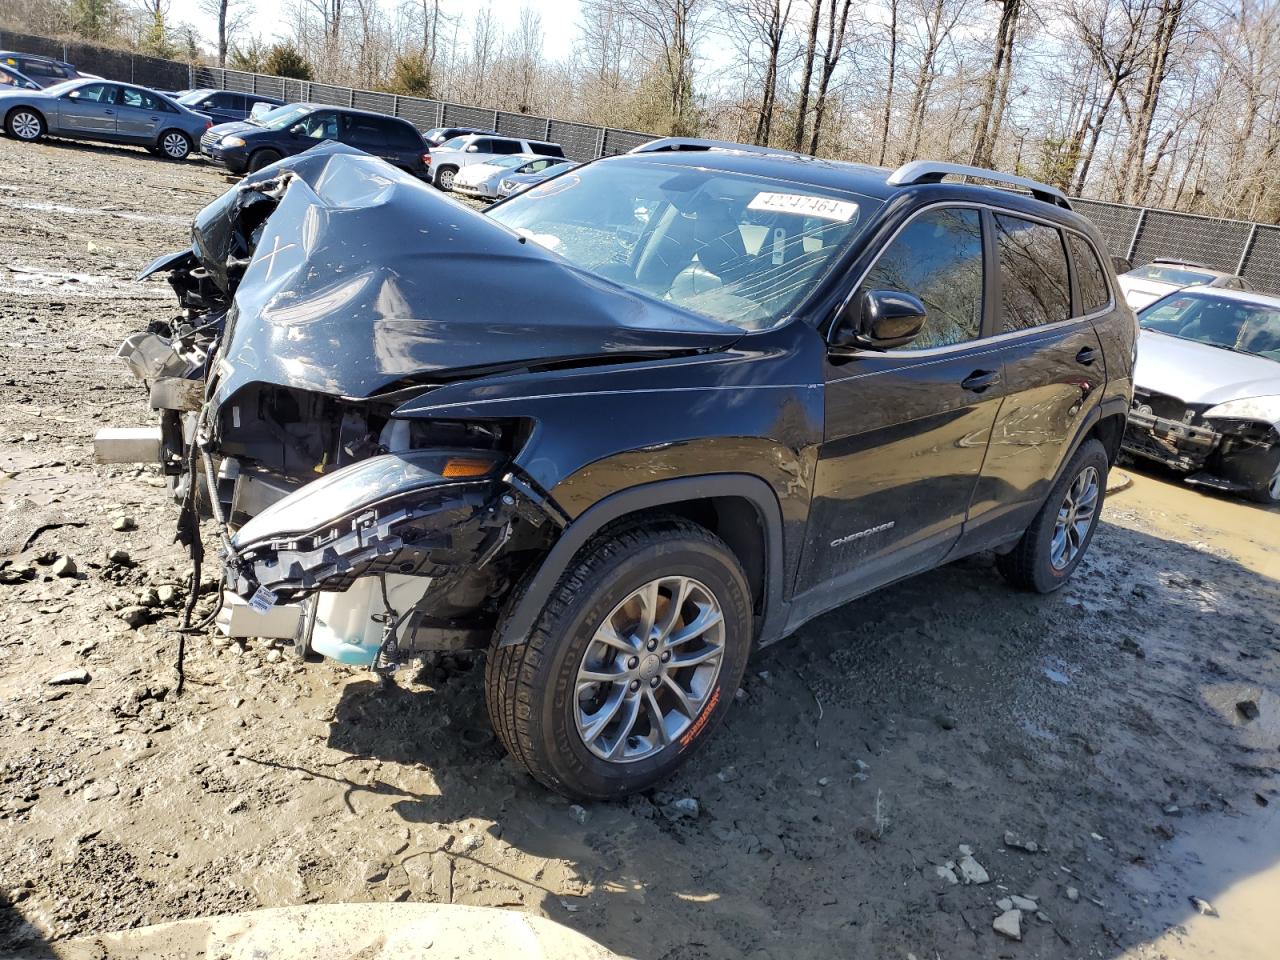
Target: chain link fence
(1139, 234)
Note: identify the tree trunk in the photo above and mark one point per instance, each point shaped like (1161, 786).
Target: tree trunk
(888, 96)
(830, 59)
(983, 134)
(797, 137)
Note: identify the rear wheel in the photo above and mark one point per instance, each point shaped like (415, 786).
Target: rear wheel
(25, 124)
(261, 159)
(444, 177)
(174, 145)
(631, 664)
(1056, 541)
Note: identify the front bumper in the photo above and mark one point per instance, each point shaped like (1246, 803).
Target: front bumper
(1172, 442)
(478, 190)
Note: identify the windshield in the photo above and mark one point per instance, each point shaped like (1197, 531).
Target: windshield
(58, 89)
(1178, 276)
(505, 162)
(457, 143)
(282, 117)
(1237, 325)
(741, 249)
(194, 96)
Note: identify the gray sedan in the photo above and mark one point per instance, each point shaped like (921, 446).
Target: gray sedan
(100, 110)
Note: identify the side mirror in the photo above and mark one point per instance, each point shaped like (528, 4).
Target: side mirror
(1120, 264)
(296, 129)
(879, 320)
(473, 149)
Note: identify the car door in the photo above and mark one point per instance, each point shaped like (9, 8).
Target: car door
(1053, 366)
(139, 115)
(89, 111)
(906, 429)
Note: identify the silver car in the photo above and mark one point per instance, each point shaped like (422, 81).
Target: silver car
(517, 181)
(1207, 390)
(101, 110)
(452, 155)
(1145, 285)
(482, 179)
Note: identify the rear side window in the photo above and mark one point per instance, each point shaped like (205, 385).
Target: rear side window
(938, 258)
(1090, 277)
(402, 136)
(1034, 289)
(42, 68)
(507, 147)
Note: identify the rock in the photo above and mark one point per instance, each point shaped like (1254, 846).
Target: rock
(274, 656)
(741, 695)
(119, 557)
(102, 790)
(945, 721)
(1043, 917)
(1073, 894)
(579, 813)
(148, 598)
(727, 775)
(236, 806)
(972, 871)
(1017, 843)
(861, 766)
(1025, 904)
(1173, 810)
(123, 523)
(79, 675)
(135, 616)
(1008, 924)
(824, 781)
(685, 807)
(1204, 906)
(64, 566)
(167, 594)
(765, 675)
(1004, 904)
(1248, 709)
(471, 842)
(965, 850)
(947, 872)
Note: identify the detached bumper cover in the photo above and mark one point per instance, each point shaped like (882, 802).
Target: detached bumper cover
(1173, 442)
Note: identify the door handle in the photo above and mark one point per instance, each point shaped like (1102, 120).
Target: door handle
(1086, 355)
(980, 380)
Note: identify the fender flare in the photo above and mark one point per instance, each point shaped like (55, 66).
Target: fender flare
(644, 497)
(1107, 407)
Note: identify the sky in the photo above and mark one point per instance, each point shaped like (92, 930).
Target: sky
(559, 18)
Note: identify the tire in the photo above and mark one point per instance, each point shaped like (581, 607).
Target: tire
(444, 178)
(174, 145)
(1269, 491)
(1039, 561)
(262, 158)
(538, 700)
(25, 124)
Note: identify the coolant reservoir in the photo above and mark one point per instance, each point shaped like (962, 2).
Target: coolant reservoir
(344, 627)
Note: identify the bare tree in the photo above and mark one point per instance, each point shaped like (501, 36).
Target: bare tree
(230, 18)
(673, 27)
(892, 72)
(995, 92)
(832, 51)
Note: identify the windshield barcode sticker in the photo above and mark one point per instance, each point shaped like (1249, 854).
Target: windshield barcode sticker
(805, 205)
(262, 600)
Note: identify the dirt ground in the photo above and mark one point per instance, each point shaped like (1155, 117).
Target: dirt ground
(1129, 726)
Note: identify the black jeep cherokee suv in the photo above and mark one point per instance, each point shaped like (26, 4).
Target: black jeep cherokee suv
(623, 428)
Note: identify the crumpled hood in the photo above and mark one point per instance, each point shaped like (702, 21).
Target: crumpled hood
(364, 278)
(1198, 373)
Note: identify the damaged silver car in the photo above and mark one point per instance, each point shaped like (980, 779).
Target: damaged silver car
(1206, 397)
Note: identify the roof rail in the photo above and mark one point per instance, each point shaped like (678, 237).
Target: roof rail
(673, 144)
(932, 171)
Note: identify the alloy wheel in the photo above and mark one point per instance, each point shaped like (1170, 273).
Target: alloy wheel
(1076, 516)
(649, 670)
(26, 126)
(446, 179)
(1273, 487)
(175, 146)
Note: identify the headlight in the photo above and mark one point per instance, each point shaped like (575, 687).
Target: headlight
(506, 185)
(1264, 409)
(365, 483)
(232, 141)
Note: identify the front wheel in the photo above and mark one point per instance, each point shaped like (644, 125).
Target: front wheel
(631, 664)
(25, 125)
(1269, 490)
(1056, 541)
(444, 178)
(262, 158)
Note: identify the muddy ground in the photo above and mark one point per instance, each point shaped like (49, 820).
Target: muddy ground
(1101, 723)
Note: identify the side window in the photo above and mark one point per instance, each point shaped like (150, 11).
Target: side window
(1034, 289)
(1090, 277)
(132, 97)
(508, 147)
(938, 258)
(547, 149)
(93, 93)
(321, 125)
(483, 145)
(402, 136)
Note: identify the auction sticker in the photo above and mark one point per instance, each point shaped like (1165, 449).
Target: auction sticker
(805, 205)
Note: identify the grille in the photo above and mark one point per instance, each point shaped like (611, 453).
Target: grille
(209, 139)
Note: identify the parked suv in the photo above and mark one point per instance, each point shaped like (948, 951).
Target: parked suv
(438, 135)
(452, 155)
(632, 423)
(249, 145)
(225, 106)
